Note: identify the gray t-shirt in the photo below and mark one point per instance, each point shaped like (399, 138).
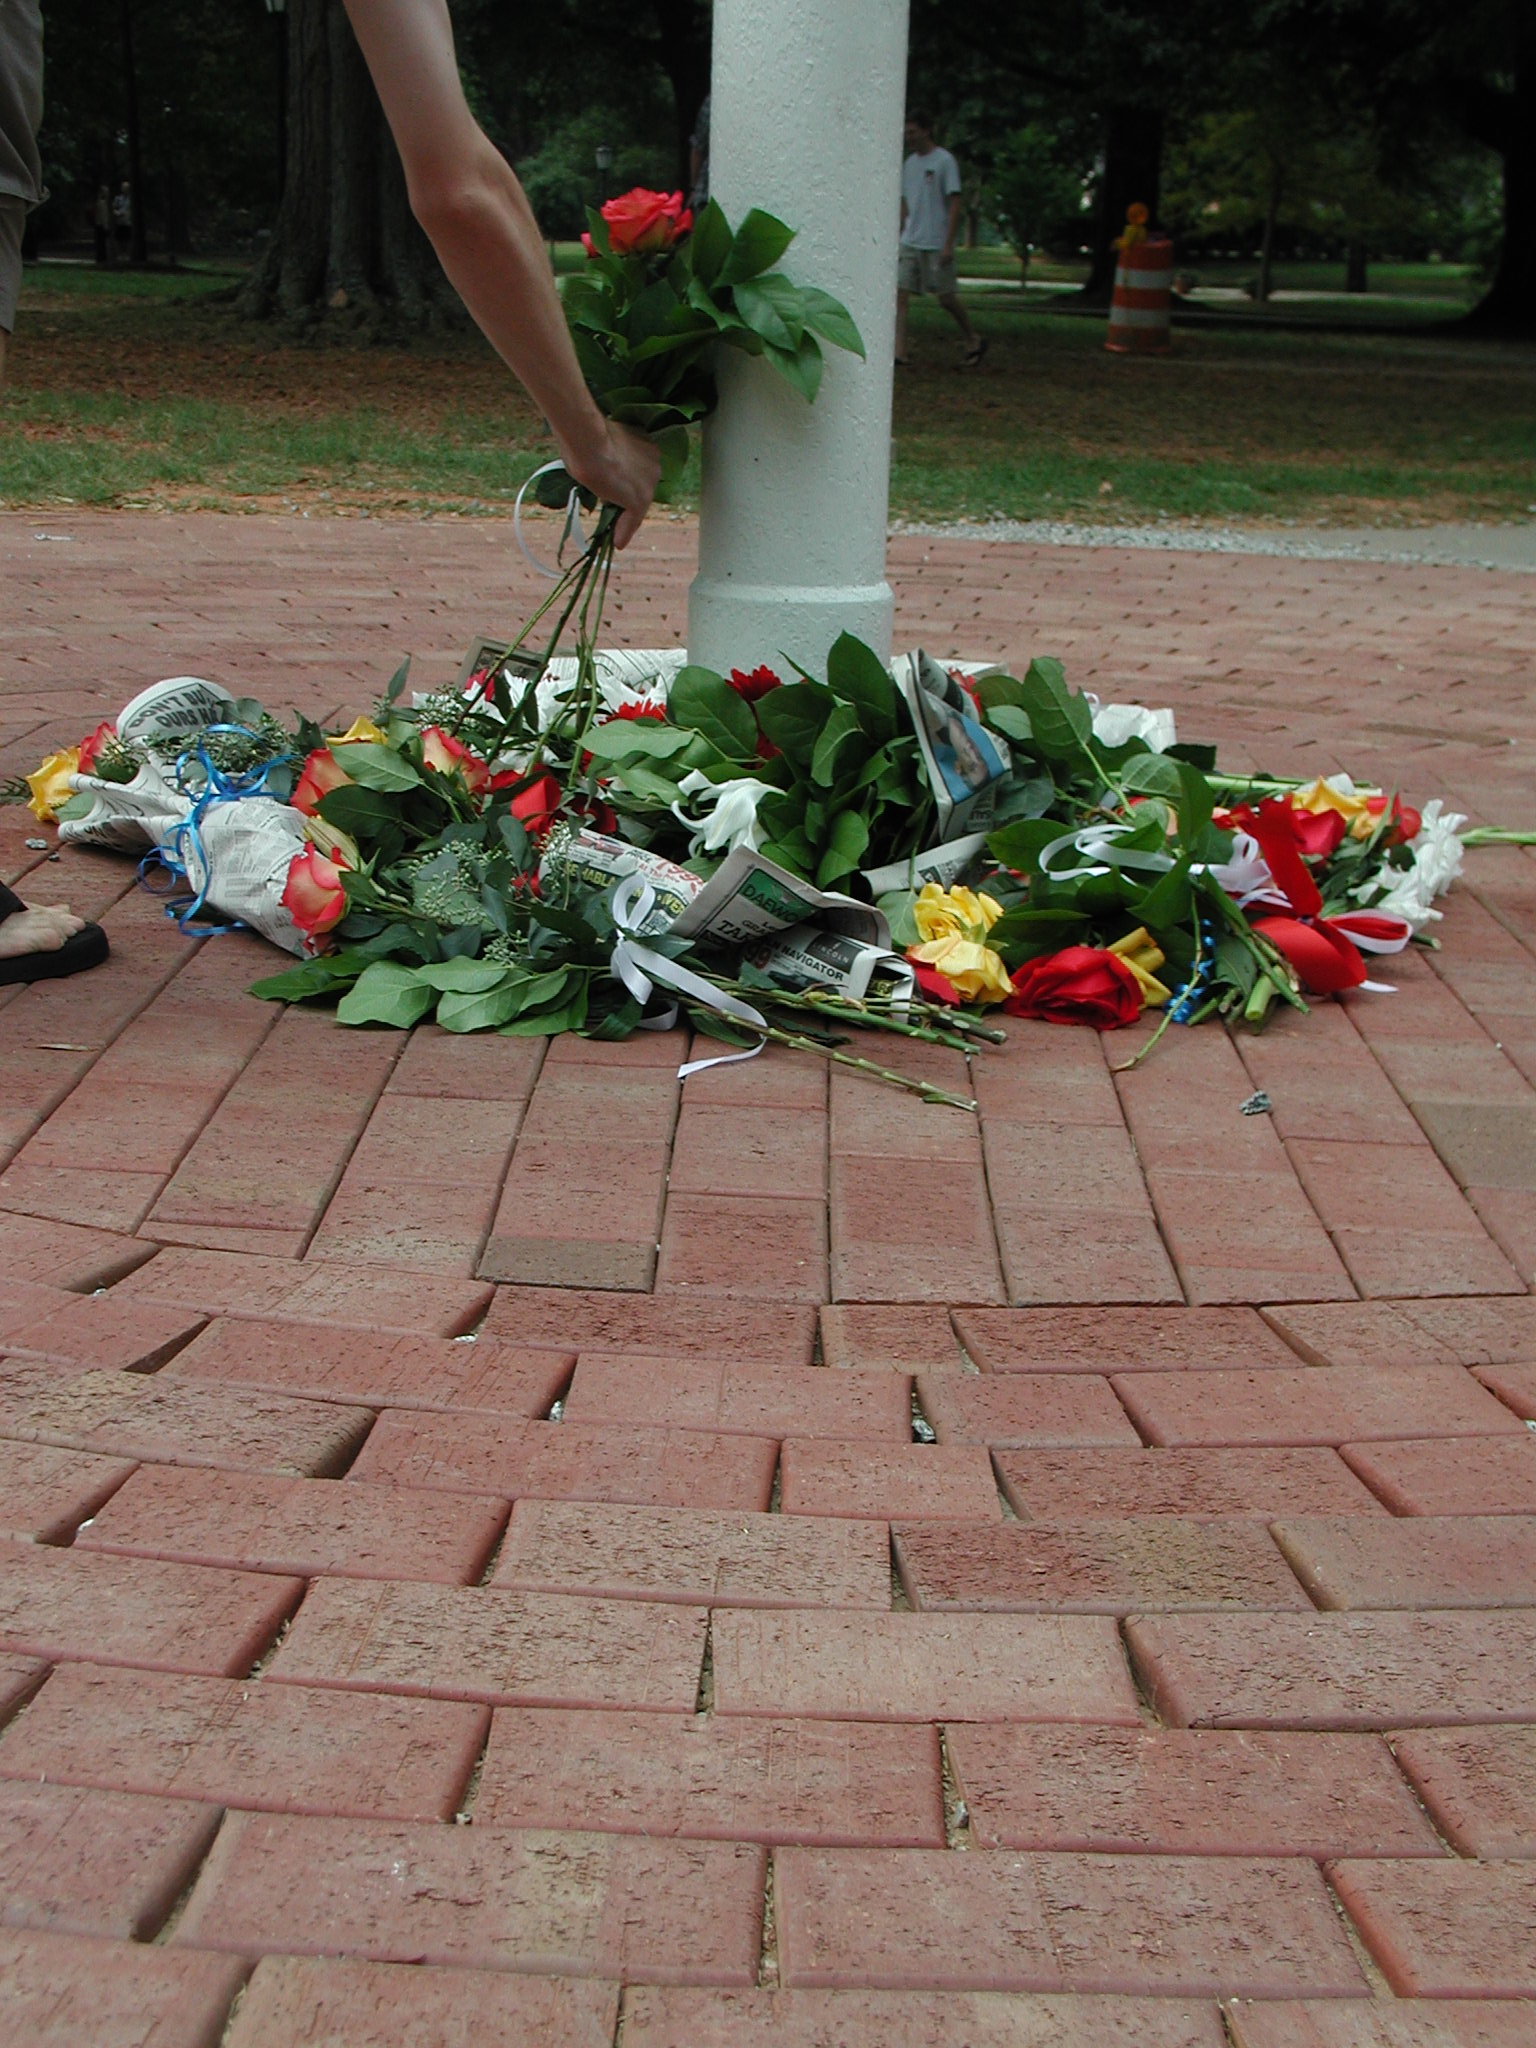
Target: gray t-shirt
(21, 99)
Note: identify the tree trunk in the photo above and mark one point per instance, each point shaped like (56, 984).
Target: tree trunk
(1267, 247)
(346, 247)
(1356, 277)
(138, 233)
(1133, 160)
(1509, 305)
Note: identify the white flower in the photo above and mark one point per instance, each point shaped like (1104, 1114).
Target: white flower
(1114, 724)
(729, 820)
(1437, 857)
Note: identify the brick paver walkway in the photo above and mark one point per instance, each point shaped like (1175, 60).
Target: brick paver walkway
(1182, 1691)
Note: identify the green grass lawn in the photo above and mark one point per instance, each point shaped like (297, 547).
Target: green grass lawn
(136, 388)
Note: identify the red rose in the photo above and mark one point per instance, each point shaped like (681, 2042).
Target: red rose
(640, 222)
(1078, 985)
(313, 895)
(536, 807)
(445, 755)
(1406, 821)
(1318, 833)
(321, 773)
(938, 988)
(90, 748)
(755, 684)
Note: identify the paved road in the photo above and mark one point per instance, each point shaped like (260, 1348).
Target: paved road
(1184, 1683)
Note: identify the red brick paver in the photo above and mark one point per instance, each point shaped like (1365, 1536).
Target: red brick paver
(494, 1898)
(695, 1555)
(64, 1991)
(80, 1862)
(1448, 1929)
(1174, 1793)
(302, 1526)
(994, 1920)
(1479, 1783)
(1142, 1307)
(463, 1644)
(1337, 1670)
(1134, 1565)
(246, 1743)
(915, 2019)
(735, 1779)
(662, 1468)
(314, 2002)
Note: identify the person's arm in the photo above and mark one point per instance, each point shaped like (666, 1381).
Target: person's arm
(479, 221)
(956, 208)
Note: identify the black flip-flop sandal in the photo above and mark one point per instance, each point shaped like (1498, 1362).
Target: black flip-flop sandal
(85, 948)
(974, 354)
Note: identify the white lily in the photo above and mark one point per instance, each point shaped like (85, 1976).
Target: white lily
(729, 811)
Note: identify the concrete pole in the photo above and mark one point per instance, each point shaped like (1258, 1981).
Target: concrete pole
(805, 121)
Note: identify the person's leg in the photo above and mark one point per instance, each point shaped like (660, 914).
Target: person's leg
(12, 219)
(903, 300)
(45, 941)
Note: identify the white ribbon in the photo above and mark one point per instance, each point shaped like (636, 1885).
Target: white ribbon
(572, 524)
(1093, 843)
(640, 969)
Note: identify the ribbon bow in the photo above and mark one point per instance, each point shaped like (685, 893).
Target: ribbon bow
(1325, 951)
(184, 845)
(640, 968)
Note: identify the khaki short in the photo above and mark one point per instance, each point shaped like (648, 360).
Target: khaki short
(13, 216)
(925, 270)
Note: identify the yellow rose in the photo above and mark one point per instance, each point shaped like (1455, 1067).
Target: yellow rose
(1322, 796)
(954, 913)
(361, 732)
(1143, 955)
(50, 784)
(975, 970)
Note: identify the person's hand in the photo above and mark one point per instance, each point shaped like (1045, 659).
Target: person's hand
(623, 469)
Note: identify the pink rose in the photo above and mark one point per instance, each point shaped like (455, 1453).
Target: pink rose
(313, 895)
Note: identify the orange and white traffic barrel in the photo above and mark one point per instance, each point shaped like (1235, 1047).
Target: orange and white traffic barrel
(1139, 313)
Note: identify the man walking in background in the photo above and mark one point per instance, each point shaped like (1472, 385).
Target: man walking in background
(930, 221)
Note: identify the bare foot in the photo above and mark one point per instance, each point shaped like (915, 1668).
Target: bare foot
(42, 929)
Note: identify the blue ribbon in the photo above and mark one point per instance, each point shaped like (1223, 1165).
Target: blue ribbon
(217, 788)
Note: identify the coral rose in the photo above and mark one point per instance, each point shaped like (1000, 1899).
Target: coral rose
(91, 746)
(445, 755)
(321, 773)
(313, 895)
(640, 222)
(1078, 985)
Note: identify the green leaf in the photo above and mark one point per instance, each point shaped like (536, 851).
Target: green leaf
(374, 767)
(771, 307)
(1021, 935)
(597, 228)
(847, 843)
(897, 908)
(1061, 721)
(1196, 802)
(1012, 722)
(647, 783)
(1197, 753)
(792, 850)
(793, 718)
(486, 1008)
(1169, 902)
(398, 681)
(760, 241)
(710, 245)
(360, 813)
(386, 993)
(840, 729)
(999, 690)
(800, 367)
(1152, 775)
(310, 978)
(857, 674)
(1020, 846)
(462, 977)
(570, 1014)
(619, 739)
(831, 319)
(672, 442)
(705, 701)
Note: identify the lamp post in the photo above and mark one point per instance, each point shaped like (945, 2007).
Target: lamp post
(806, 122)
(604, 156)
(278, 10)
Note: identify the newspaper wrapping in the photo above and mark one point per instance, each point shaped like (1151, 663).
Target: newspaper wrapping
(130, 817)
(749, 898)
(808, 956)
(239, 862)
(597, 860)
(962, 759)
